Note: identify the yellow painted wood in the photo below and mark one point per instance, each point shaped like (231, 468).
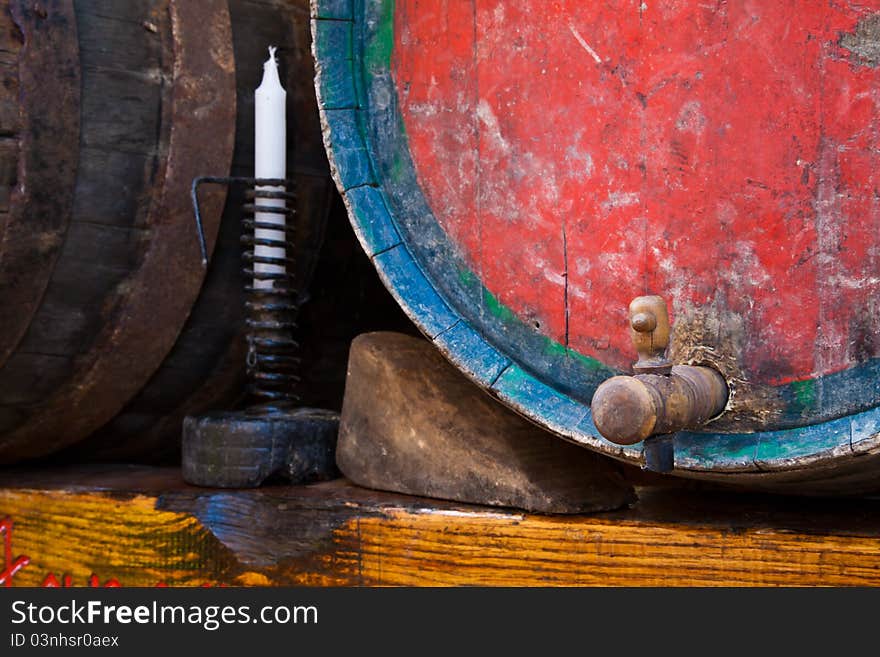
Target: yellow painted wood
(126, 539)
(338, 534)
(437, 549)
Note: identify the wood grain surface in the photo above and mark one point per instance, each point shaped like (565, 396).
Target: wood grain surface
(142, 526)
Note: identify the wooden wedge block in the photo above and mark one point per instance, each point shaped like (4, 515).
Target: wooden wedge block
(412, 423)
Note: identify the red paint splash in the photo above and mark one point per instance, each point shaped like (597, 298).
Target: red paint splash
(51, 582)
(10, 566)
(13, 566)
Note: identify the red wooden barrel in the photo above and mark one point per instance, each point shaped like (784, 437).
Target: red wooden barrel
(108, 112)
(519, 172)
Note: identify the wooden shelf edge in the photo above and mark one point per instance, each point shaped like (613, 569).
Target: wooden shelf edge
(142, 526)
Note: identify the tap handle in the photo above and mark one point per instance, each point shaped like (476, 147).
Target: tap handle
(659, 400)
(649, 330)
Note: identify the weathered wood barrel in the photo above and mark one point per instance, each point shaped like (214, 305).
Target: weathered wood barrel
(108, 111)
(519, 172)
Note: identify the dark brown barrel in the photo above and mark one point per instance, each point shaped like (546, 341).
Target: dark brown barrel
(108, 111)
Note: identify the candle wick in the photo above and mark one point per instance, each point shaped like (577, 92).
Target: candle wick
(270, 72)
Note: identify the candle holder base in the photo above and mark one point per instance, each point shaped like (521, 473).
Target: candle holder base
(246, 448)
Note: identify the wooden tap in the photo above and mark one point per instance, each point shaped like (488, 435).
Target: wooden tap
(660, 398)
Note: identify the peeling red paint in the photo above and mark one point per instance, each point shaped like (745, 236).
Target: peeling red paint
(721, 154)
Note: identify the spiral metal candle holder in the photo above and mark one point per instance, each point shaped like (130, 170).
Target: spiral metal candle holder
(271, 436)
(270, 311)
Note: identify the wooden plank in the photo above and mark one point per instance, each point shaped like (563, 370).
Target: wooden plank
(333, 9)
(337, 78)
(8, 171)
(10, 119)
(377, 233)
(398, 271)
(349, 161)
(482, 360)
(141, 526)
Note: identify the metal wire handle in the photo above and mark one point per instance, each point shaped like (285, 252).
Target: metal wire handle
(223, 180)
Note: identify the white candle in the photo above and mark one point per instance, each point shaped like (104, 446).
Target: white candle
(270, 161)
